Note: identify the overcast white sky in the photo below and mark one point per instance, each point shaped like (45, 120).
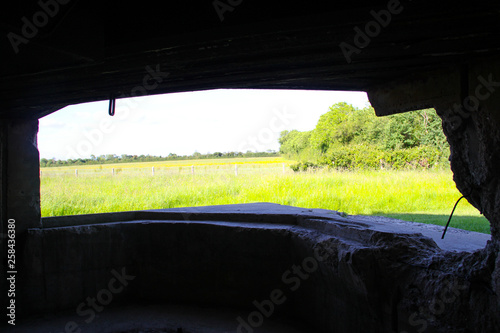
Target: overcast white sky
(182, 123)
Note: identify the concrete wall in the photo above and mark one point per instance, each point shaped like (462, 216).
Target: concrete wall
(332, 273)
(20, 187)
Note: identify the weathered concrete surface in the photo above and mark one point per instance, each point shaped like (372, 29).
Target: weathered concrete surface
(467, 98)
(332, 273)
(455, 240)
(469, 107)
(416, 92)
(19, 186)
(20, 168)
(158, 318)
(472, 126)
(473, 131)
(263, 44)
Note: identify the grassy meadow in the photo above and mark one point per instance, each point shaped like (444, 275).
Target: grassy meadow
(420, 195)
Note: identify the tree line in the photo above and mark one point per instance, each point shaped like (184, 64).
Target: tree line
(344, 138)
(350, 138)
(112, 158)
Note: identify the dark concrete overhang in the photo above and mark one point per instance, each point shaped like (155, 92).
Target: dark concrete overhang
(89, 50)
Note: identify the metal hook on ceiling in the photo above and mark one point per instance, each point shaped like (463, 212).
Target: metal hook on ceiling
(112, 105)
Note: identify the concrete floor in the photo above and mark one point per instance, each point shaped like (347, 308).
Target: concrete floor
(157, 319)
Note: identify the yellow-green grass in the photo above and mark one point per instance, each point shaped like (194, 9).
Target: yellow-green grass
(421, 196)
(173, 163)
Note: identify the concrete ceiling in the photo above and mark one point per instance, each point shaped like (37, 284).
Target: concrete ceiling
(71, 51)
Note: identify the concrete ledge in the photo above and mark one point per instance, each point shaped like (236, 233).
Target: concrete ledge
(455, 240)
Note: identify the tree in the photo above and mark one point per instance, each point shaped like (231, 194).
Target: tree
(334, 127)
(293, 142)
(349, 137)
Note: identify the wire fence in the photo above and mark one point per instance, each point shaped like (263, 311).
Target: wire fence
(159, 170)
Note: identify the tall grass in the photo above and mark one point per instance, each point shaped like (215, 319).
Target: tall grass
(422, 196)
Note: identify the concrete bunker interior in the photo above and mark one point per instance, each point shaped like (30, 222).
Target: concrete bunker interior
(363, 275)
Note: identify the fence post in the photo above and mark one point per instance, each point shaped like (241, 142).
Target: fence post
(192, 169)
(113, 171)
(153, 170)
(40, 173)
(76, 172)
(236, 169)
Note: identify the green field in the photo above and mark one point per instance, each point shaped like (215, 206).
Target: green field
(421, 196)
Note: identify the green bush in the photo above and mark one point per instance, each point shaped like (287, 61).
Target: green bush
(303, 166)
(372, 157)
